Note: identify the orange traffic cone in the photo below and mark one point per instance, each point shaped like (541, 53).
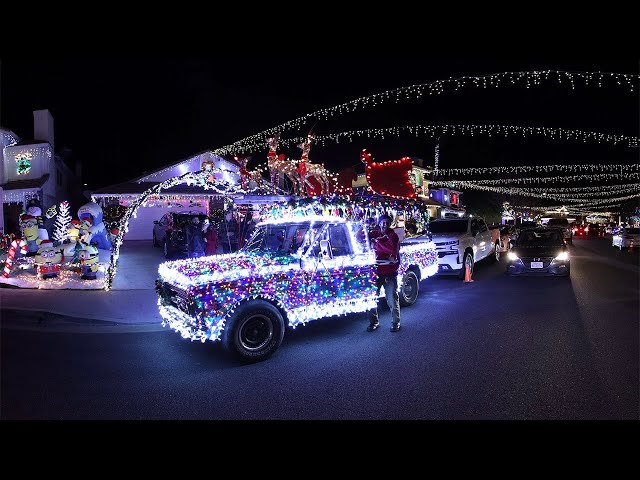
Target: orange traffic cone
(467, 274)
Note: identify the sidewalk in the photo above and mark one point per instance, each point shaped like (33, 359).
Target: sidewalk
(132, 301)
(131, 307)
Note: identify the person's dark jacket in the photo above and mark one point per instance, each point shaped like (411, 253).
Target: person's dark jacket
(195, 241)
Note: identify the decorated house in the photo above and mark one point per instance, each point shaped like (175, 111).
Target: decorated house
(179, 198)
(32, 173)
(451, 201)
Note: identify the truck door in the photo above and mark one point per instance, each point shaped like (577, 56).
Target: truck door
(485, 238)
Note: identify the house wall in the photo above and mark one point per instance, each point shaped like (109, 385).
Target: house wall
(141, 227)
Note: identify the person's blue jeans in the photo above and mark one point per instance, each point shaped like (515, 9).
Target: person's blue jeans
(390, 284)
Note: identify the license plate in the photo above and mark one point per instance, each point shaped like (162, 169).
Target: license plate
(536, 265)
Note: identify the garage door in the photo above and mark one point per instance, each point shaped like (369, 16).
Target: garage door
(141, 227)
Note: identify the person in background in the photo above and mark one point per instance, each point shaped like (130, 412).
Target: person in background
(249, 228)
(386, 244)
(210, 237)
(195, 240)
(229, 233)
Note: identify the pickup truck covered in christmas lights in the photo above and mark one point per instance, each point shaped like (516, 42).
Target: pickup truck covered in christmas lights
(290, 272)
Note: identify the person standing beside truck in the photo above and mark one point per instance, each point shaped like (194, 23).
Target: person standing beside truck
(386, 245)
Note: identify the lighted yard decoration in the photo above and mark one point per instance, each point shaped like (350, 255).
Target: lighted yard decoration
(24, 163)
(93, 213)
(48, 260)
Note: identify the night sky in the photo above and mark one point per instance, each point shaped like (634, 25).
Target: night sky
(121, 118)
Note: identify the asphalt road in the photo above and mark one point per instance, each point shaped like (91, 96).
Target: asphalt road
(498, 348)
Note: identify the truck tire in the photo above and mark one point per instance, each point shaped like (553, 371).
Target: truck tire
(409, 290)
(466, 259)
(254, 331)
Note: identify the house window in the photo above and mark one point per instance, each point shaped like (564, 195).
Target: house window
(58, 177)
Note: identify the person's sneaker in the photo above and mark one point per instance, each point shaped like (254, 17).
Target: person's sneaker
(395, 327)
(373, 326)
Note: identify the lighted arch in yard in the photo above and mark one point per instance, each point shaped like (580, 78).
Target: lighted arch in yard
(205, 178)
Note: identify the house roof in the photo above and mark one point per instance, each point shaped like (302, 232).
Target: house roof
(25, 142)
(31, 183)
(186, 159)
(136, 188)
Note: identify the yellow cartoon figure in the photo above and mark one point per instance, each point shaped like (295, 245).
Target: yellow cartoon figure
(48, 260)
(89, 258)
(29, 226)
(70, 250)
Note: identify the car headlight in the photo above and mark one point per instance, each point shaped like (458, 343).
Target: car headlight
(512, 256)
(562, 257)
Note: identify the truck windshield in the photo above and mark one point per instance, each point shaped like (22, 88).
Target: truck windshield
(448, 226)
(285, 239)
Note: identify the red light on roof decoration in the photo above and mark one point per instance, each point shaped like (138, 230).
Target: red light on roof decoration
(389, 178)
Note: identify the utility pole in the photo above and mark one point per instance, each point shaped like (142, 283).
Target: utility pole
(437, 158)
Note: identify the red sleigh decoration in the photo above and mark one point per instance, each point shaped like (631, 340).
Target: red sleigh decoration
(389, 178)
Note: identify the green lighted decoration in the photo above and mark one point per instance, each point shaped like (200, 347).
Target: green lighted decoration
(24, 163)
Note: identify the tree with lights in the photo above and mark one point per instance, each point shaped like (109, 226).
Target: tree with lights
(62, 222)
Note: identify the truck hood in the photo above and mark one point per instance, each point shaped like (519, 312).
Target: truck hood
(446, 237)
(229, 267)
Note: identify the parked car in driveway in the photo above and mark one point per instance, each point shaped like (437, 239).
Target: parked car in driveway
(170, 232)
(626, 238)
(539, 251)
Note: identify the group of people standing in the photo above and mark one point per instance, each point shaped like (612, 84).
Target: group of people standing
(203, 238)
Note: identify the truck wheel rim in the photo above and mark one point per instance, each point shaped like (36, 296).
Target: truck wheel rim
(410, 287)
(255, 332)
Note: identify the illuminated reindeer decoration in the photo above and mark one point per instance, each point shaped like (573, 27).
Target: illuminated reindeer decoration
(246, 176)
(308, 169)
(278, 164)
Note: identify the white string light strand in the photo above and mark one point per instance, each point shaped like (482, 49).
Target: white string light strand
(536, 168)
(434, 88)
(461, 129)
(568, 178)
(568, 197)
